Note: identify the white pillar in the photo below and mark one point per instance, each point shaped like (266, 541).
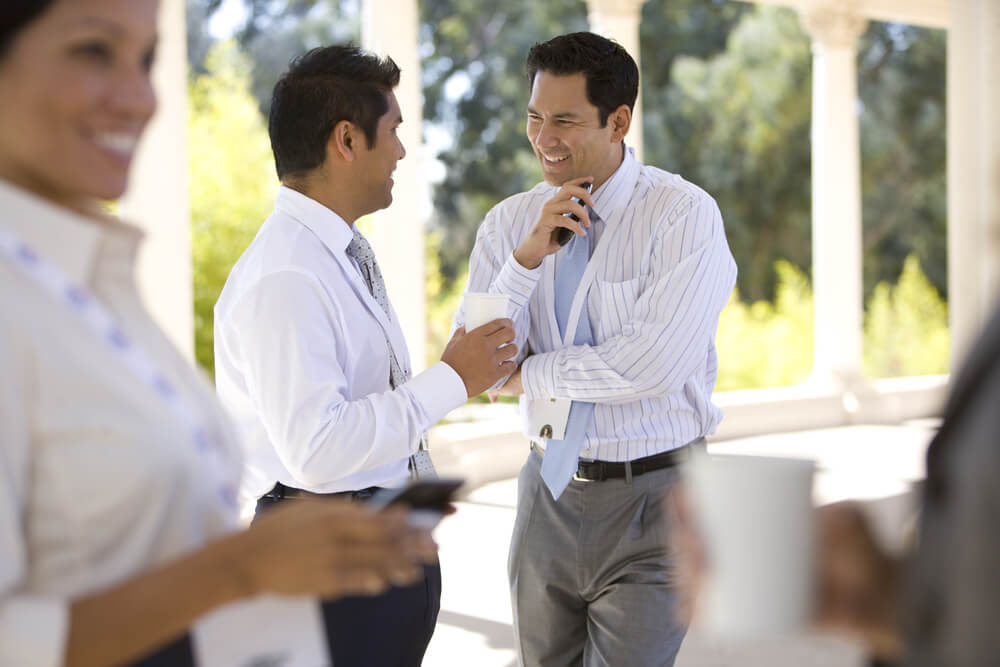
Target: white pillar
(157, 197)
(389, 27)
(973, 169)
(619, 20)
(836, 196)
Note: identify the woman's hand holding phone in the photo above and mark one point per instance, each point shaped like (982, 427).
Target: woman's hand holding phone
(428, 501)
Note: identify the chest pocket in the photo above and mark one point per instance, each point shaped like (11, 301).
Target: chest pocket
(611, 305)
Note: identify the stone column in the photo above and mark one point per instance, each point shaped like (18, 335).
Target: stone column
(836, 196)
(389, 27)
(619, 20)
(157, 197)
(973, 169)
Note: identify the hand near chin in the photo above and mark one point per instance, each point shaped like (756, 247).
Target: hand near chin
(542, 242)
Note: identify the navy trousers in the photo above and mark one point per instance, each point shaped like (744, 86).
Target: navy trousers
(388, 630)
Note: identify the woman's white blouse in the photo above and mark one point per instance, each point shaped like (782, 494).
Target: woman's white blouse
(98, 481)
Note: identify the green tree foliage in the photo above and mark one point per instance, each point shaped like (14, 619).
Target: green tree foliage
(727, 99)
(906, 327)
(475, 87)
(737, 123)
(727, 104)
(901, 82)
(232, 181)
(273, 33)
(766, 344)
(443, 299)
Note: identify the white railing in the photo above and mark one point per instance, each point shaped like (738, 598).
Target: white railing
(484, 443)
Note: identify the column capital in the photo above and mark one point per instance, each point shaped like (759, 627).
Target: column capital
(615, 7)
(833, 25)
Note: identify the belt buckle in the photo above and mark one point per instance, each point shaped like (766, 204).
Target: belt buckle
(577, 477)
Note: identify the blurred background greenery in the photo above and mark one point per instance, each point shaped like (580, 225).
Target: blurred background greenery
(727, 104)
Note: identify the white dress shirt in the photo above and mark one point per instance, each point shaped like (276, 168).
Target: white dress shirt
(654, 308)
(98, 480)
(301, 361)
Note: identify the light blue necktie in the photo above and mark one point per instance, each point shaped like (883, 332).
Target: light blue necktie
(561, 456)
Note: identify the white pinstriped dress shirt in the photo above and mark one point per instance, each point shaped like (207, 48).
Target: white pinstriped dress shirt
(654, 308)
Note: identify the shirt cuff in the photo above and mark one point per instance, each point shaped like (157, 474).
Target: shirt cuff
(33, 631)
(517, 282)
(439, 390)
(538, 375)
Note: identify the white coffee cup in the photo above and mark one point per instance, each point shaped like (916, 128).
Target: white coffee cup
(483, 307)
(756, 517)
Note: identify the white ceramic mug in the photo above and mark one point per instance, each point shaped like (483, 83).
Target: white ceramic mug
(756, 517)
(483, 307)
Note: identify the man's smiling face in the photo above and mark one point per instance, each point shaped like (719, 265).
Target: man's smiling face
(565, 131)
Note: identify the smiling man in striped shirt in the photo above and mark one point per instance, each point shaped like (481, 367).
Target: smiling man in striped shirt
(618, 327)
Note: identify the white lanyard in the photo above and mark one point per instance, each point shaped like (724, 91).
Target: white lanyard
(596, 258)
(96, 317)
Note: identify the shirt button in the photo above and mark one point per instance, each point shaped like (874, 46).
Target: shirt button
(586, 452)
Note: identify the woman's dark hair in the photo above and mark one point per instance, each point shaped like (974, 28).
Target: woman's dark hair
(612, 75)
(321, 88)
(15, 15)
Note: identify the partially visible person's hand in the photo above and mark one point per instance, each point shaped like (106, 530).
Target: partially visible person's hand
(542, 239)
(332, 548)
(858, 587)
(482, 356)
(689, 553)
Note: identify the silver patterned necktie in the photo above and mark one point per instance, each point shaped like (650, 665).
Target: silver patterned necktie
(421, 466)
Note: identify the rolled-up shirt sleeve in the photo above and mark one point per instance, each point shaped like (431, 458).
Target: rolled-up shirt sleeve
(286, 330)
(33, 628)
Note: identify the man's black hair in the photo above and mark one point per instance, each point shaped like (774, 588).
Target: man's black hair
(15, 15)
(611, 73)
(321, 88)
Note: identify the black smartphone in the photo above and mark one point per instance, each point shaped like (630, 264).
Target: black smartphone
(563, 234)
(434, 495)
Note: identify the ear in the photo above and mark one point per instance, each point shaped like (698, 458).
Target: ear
(620, 121)
(343, 141)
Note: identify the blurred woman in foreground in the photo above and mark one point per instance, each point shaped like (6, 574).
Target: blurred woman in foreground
(117, 469)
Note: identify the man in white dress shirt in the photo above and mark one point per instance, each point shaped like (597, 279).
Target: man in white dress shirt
(310, 356)
(618, 326)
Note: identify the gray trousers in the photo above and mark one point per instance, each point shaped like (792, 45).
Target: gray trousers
(590, 574)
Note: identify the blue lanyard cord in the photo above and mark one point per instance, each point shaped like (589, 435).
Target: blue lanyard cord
(96, 317)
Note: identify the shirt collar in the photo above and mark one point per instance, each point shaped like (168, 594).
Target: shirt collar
(68, 240)
(329, 227)
(610, 199)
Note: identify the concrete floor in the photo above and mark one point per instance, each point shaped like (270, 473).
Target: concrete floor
(876, 464)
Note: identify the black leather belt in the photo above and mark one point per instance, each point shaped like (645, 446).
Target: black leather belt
(596, 471)
(281, 492)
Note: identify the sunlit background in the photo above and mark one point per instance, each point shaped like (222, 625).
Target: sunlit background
(729, 91)
(726, 97)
